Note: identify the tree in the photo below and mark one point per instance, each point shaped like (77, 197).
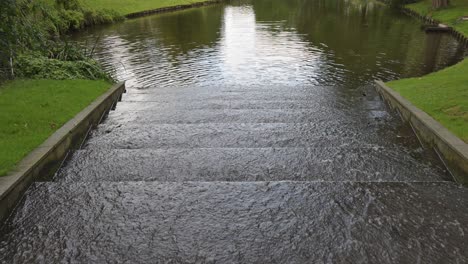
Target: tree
(436, 4)
(7, 13)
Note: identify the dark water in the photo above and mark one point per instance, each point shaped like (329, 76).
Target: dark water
(250, 134)
(316, 42)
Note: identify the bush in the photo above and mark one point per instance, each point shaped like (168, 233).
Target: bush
(71, 19)
(34, 27)
(36, 66)
(105, 16)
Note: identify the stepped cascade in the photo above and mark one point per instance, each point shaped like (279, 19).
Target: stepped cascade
(251, 133)
(245, 174)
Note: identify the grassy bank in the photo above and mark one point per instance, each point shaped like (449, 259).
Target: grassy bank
(444, 94)
(32, 110)
(450, 16)
(126, 7)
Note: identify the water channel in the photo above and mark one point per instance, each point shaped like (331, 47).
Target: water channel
(251, 133)
(329, 43)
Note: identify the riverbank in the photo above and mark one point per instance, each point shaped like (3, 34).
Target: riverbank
(128, 7)
(444, 94)
(32, 110)
(450, 16)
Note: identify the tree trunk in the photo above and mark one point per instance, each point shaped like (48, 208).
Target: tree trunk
(11, 65)
(436, 4)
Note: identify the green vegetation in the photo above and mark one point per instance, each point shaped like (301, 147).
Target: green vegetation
(31, 110)
(125, 7)
(37, 66)
(450, 15)
(30, 28)
(443, 95)
(53, 79)
(31, 48)
(31, 45)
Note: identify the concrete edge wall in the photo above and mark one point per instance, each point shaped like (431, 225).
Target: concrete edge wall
(452, 150)
(458, 35)
(47, 158)
(171, 8)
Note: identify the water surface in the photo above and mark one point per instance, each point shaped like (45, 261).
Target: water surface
(316, 42)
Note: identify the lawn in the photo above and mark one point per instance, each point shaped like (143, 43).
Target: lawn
(450, 16)
(125, 7)
(32, 110)
(443, 95)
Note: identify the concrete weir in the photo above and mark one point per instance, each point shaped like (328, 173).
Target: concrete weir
(45, 159)
(451, 149)
(242, 174)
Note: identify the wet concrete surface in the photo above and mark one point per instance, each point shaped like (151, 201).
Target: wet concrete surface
(242, 222)
(229, 148)
(213, 135)
(346, 163)
(271, 149)
(197, 116)
(210, 184)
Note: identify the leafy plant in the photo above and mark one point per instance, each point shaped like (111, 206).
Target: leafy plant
(36, 26)
(36, 66)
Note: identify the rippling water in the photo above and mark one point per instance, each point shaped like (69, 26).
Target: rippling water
(320, 42)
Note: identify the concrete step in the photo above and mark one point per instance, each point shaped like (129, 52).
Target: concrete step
(251, 135)
(245, 88)
(250, 222)
(314, 98)
(172, 105)
(321, 95)
(195, 116)
(254, 164)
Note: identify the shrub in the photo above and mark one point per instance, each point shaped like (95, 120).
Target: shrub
(36, 66)
(104, 16)
(72, 19)
(33, 28)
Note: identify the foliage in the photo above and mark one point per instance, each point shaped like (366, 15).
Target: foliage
(37, 66)
(100, 16)
(71, 19)
(75, 15)
(31, 110)
(34, 27)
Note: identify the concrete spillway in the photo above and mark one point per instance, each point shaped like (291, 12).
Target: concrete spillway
(244, 175)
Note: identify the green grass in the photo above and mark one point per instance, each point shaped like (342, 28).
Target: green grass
(32, 110)
(125, 7)
(450, 15)
(443, 95)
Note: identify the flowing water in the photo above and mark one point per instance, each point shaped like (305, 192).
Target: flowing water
(251, 133)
